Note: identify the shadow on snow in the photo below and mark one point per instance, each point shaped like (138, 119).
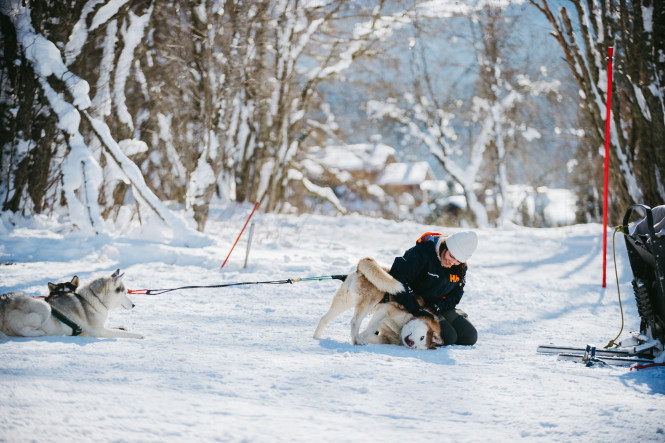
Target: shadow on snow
(439, 356)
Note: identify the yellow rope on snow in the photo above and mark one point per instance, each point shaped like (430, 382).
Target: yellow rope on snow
(616, 273)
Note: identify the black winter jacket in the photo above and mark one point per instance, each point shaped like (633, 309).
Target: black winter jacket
(420, 268)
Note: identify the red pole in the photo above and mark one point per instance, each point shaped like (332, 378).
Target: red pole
(256, 205)
(608, 121)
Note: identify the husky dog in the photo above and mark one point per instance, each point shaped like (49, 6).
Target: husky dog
(363, 290)
(392, 324)
(55, 289)
(66, 312)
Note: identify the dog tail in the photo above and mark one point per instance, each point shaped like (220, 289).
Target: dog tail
(379, 277)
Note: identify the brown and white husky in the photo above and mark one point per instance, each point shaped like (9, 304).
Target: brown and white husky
(363, 290)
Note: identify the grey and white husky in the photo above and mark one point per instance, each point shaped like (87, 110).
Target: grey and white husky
(68, 309)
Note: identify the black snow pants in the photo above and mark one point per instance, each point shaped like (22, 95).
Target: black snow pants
(456, 329)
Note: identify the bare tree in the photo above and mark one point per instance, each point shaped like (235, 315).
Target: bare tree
(182, 101)
(474, 129)
(202, 98)
(67, 97)
(636, 29)
(31, 146)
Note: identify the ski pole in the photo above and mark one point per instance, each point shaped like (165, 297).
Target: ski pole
(256, 205)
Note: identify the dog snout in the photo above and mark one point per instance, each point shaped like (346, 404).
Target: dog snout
(127, 303)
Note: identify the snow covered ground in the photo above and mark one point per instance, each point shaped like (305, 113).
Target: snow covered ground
(239, 363)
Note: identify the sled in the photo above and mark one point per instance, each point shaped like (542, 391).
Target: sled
(646, 253)
(645, 243)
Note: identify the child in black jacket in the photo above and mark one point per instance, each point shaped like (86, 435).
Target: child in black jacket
(435, 269)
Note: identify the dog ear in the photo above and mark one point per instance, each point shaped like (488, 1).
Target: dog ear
(75, 281)
(117, 275)
(433, 340)
(51, 286)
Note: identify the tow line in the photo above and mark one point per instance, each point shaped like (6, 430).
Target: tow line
(270, 282)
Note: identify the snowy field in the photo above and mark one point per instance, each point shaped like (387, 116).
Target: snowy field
(240, 363)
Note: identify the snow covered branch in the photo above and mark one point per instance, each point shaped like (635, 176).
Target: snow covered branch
(81, 172)
(322, 192)
(638, 88)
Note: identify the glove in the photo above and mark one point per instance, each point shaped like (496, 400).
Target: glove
(422, 313)
(407, 299)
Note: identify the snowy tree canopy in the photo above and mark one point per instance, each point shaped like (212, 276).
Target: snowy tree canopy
(112, 110)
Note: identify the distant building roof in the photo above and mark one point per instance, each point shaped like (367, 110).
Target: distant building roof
(354, 157)
(405, 174)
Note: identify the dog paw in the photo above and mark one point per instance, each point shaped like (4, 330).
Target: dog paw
(360, 341)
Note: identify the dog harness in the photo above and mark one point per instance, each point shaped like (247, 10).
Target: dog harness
(428, 234)
(76, 329)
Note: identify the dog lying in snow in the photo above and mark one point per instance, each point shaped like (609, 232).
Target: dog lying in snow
(68, 310)
(392, 324)
(363, 290)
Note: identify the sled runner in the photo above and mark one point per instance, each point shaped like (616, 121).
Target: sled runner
(645, 243)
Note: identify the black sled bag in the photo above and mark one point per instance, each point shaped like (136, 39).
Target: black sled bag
(646, 254)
